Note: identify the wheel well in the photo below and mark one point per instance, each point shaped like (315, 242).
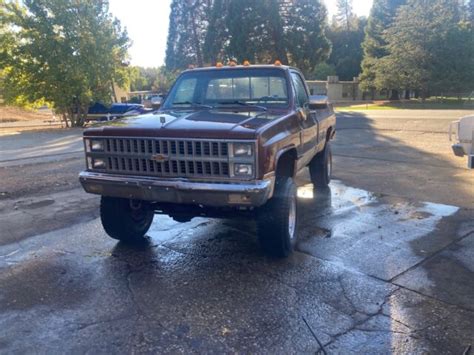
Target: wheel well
(329, 134)
(286, 164)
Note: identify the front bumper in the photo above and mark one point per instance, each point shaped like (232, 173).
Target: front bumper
(180, 191)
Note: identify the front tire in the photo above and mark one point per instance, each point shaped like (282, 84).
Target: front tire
(320, 168)
(277, 220)
(125, 220)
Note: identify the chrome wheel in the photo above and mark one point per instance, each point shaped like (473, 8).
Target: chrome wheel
(292, 217)
(329, 168)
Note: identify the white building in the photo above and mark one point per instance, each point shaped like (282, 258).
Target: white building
(336, 90)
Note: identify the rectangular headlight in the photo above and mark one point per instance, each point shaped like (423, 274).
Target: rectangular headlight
(98, 164)
(97, 145)
(243, 169)
(243, 150)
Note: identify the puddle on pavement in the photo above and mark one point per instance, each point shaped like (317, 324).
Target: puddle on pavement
(438, 209)
(338, 223)
(371, 233)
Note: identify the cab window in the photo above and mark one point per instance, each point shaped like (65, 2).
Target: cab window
(302, 99)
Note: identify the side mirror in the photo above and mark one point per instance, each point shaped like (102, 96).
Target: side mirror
(318, 102)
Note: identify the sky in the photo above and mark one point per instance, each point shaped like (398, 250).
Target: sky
(147, 26)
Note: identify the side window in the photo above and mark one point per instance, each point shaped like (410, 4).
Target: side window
(301, 95)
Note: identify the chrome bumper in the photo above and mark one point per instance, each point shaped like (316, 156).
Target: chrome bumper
(180, 191)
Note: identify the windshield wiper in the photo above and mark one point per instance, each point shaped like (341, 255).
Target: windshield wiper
(193, 104)
(242, 103)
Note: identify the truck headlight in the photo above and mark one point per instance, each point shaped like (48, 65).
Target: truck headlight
(97, 145)
(243, 150)
(243, 169)
(98, 164)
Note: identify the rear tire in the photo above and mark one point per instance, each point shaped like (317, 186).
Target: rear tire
(320, 168)
(125, 220)
(277, 220)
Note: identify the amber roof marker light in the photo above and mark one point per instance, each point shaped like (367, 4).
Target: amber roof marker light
(246, 63)
(277, 63)
(219, 65)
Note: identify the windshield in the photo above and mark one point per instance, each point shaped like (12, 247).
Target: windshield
(255, 88)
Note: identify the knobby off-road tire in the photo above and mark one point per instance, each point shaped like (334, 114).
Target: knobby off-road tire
(277, 220)
(320, 168)
(125, 220)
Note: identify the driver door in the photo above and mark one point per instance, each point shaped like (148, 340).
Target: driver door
(307, 120)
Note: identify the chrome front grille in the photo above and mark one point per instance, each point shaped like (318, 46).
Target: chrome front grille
(166, 157)
(179, 148)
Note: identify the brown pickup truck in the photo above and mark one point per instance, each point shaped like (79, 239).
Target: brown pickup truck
(227, 142)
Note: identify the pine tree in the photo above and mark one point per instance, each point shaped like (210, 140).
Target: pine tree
(305, 34)
(187, 31)
(246, 30)
(276, 32)
(346, 54)
(470, 10)
(381, 17)
(206, 31)
(217, 33)
(256, 31)
(430, 49)
(345, 15)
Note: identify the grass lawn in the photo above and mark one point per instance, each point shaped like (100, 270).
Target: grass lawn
(411, 105)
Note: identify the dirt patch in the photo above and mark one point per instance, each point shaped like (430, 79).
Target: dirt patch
(44, 178)
(16, 114)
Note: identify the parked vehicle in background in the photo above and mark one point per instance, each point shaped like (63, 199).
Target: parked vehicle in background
(100, 112)
(464, 133)
(153, 101)
(227, 142)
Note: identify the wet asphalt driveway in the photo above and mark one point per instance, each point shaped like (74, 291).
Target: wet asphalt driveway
(372, 274)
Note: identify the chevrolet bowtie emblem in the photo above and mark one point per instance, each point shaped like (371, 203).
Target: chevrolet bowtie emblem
(159, 157)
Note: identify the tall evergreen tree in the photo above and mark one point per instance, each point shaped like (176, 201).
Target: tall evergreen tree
(256, 31)
(305, 33)
(470, 9)
(246, 24)
(345, 15)
(346, 54)
(430, 49)
(186, 34)
(205, 31)
(217, 33)
(381, 17)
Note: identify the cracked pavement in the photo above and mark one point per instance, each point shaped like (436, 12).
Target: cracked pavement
(203, 286)
(374, 272)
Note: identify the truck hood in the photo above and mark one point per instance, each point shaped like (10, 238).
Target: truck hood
(193, 124)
